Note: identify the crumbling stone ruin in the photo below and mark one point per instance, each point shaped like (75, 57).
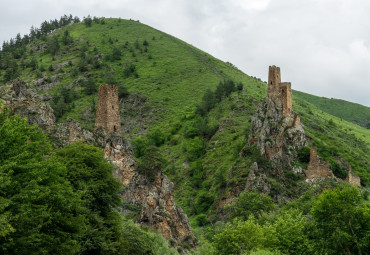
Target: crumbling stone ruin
(280, 92)
(317, 168)
(353, 179)
(107, 112)
(276, 129)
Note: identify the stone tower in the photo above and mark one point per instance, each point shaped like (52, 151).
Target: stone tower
(286, 97)
(107, 112)
(274, 81)
(281, 92)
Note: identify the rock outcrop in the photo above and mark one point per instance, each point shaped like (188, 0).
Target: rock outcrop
(28, 104)
(278, 136)
(276, 129)
(156, 198)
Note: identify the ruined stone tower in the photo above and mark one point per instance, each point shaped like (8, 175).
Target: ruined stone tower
(107, 112)
(279, 91)
(274, 81)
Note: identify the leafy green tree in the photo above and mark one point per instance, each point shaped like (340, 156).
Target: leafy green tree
(91, 176)
(67, 38)
(88, 21)
(208, 102)
(338, 170)
(53, 45)
(239, 237)
(291, 230)
(304, 154)
(156, 137)
(139, 146)
(203, 201)
(250, 203)
(151, 163)
(341, 222)
(41, 213)
(12, 71)
(89, 86)
(32, 64)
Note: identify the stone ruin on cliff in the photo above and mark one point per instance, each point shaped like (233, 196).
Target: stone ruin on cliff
(280, 92)
(276, 129)
(318, 169)
(107, 112)
(156, 199)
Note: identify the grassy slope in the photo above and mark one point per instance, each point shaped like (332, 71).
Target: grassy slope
(349, 111)
(174, 80)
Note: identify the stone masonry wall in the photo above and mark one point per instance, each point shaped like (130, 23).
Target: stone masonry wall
(316, 168)
(107, 112)
(273, 81)
(286, 97)
(280, 92)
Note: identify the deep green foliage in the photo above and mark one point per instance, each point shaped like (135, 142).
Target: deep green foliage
(139, 146)
(342, 222)
(338, 170)
(151, 163)
(53, 45)
(304, 154)
(42, 211)
(90, 86)
(61, 202)
(88, 21)
(203, 201)
(156, 138)
(250, 203)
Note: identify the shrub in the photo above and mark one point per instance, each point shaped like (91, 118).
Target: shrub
(139, 146)
(156, 138)
(203, 201)
(195, 148)
(201, 220)
(338, 170)
(250, 203)
(304, 154)
(151, 163)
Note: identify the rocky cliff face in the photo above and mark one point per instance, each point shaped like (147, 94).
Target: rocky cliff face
(277, 135)
(155, 198)
(24, 101)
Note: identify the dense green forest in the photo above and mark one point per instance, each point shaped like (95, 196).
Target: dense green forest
(194, 111)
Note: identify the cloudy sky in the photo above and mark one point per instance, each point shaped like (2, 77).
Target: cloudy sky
(322, 46)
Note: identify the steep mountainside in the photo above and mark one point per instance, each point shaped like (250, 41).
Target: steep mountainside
(349, 111)
(177, 98)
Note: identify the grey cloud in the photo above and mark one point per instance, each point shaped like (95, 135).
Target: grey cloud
(322, 46)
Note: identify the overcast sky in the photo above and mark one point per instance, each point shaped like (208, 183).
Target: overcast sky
(321, 46)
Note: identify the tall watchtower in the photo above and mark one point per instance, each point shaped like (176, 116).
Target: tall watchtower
(281, 92)
(273, 88)
(107, 112)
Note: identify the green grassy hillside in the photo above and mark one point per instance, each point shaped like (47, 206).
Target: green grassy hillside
(162, 80)
(349, 111)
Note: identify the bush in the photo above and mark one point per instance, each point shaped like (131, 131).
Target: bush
(201, 220)
(304, 154)
(250, 203)
(156, 138)
(139, 146)
(203, 201)
(338, 170)
(195, 148)
(151, 163)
